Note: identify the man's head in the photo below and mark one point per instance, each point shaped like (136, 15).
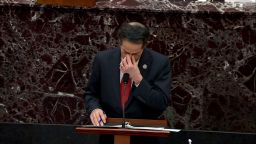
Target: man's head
(134, 37)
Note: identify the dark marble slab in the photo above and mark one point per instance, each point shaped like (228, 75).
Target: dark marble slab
(191, 6)
(46, 54)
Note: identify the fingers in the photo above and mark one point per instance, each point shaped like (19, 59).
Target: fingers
(124, 62)
(103, 118)
(93, 119)
(133, 60)
(128, 64)
(128, 60)
(98, 117)
(122, 67)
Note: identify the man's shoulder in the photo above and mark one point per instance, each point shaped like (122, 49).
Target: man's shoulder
(157, 55)
(107, 53)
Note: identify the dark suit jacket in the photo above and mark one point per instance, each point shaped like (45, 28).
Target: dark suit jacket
(146, 101)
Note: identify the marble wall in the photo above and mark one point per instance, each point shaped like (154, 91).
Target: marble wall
(46, 54)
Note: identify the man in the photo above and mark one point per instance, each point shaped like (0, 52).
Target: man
(149, 79)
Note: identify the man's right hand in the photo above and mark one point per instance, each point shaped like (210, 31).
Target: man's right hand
(98, 117)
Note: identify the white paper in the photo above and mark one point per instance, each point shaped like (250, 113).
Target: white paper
(153, 128)
(136, 127)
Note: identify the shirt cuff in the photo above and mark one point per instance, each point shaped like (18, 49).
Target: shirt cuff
(136, 85)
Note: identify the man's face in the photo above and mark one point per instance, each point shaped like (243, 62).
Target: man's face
(132, 49)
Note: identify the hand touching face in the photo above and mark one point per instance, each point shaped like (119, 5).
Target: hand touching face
(128, 65)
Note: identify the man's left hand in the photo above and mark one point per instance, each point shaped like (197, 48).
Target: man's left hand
(128, 65)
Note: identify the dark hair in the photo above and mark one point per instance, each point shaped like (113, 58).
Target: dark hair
(134, 32)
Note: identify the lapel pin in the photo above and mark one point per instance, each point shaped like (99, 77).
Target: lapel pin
(145, 66)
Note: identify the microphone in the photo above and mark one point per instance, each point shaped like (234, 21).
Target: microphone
(125, 81)
(125, 78)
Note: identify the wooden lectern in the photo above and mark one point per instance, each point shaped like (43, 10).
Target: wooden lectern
(122, 135)
(79, 3)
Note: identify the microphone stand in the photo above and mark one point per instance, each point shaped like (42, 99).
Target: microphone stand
(125, 81)
(123, 106)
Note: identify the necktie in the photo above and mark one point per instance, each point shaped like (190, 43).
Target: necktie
(125, 96)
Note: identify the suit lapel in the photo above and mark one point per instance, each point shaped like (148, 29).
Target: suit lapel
(145, 63)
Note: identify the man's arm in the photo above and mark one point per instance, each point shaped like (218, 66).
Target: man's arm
(156, 95)
(93, 106)
(93, 87)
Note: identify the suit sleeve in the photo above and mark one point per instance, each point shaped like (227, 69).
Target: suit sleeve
(93, 88)
(156, 94)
